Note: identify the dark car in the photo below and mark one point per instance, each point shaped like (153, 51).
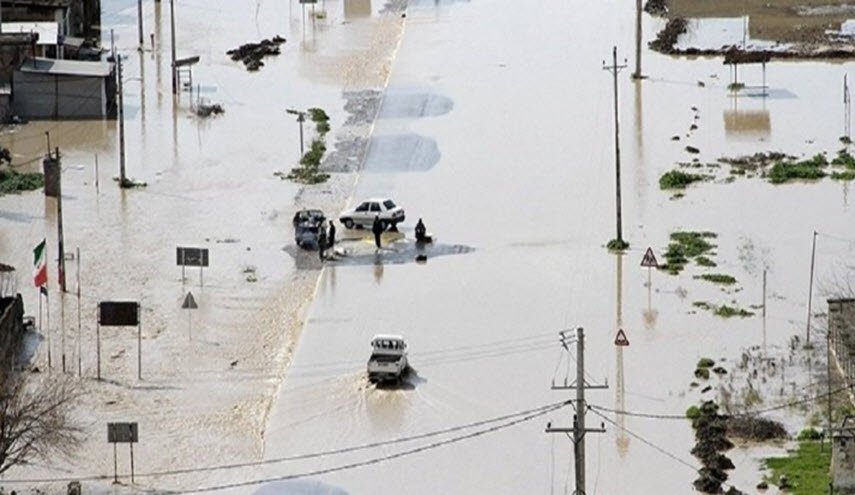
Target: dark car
(307, 225)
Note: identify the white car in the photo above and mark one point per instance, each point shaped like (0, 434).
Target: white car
(363, 215)
(388, 361)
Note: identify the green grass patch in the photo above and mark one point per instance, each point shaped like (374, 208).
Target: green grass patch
(693, 413)
(726, 311)
(309, 170)
(706, 262)
(685, 246)
(706, 363)
(12, 181)
(736, 86)
(677, 179)
(806, 468)
(702, 305)
(845, 175)
(809, 434)
(617, 245)
(717, 278)
(787, 171)
(844, 159)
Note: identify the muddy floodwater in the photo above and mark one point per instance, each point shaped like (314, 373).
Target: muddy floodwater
(494, 126)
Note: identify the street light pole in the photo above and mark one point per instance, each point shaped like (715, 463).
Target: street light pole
(301, 117)
(172, 35)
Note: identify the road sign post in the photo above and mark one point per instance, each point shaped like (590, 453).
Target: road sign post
(620, 338)
(189, 303)
(122, 433)
(649, 261)
(119, 314)
(190, 256)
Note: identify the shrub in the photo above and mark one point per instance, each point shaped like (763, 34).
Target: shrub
(677, 179)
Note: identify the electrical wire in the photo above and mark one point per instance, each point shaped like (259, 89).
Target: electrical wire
(529, 414)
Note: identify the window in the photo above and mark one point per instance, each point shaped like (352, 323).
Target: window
(389, 204)
(375, 207)
(362, 207)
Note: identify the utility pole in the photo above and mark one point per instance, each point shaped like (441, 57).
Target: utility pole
(60, 237)
(140, 23)
(637, 73)
(172, 35)
(578, 429)
(810, 287)
(614, 69)
(122, 178)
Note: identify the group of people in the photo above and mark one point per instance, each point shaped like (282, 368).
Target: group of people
(326, 236)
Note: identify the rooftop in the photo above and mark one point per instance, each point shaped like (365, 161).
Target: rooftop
(66, 67)
(48, 32)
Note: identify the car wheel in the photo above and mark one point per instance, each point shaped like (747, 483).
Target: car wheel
(348, 223)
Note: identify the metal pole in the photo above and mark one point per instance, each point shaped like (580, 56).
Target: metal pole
(810, 290)
(98, 346)
(637, 73)
(62, 328)
(97, 188)
(579, 429)
(122, 178)
(79, 326)
(47, 310)
(764, 312)
(139, 347)
(300, 119)
(614, 69)
(60, 239)
(172, 35)
(189, 325)
(132, 462)
(115, 465)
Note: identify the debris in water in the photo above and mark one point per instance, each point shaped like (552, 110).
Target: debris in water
(252, 53)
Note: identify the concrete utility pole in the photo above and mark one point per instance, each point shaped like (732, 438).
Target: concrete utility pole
(172, 35)
(60, 237)
(637, 73)
(140, 23)
(578, 430)
(122, 178)
(810, 287)
(614, 69)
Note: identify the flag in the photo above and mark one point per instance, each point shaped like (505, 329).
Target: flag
(40, 264)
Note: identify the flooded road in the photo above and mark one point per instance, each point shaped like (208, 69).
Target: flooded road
(525, 177)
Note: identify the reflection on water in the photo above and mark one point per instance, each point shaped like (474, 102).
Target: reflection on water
(356, 8)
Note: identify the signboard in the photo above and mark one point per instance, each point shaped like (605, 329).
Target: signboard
(649, 259)
(620, 338)
(189, 302)
(181, 62)
(308, 1)
(118, 313)
(187, 256)
(122, 433)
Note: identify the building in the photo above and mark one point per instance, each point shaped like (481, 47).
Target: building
(64, 89)
(843, 458)
(80, 18)
(11, 316)
(48, 42)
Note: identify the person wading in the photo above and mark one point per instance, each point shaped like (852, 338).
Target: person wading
(377, 228)
(322, 240)
(331, 237)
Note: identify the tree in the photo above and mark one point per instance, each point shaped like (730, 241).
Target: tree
(35, 418)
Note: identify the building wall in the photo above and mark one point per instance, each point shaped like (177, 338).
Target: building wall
(51, 96)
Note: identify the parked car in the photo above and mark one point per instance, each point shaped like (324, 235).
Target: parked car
(363, 215)
(388, 361)
(307, 225)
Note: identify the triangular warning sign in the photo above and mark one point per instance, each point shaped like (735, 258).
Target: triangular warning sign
(620, 338)
(649, 259)
(189, 302)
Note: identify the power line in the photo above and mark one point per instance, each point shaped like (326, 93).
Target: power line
(526, 415)
(375, 460)
(742, 414)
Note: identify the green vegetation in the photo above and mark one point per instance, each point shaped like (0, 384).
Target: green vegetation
(809, 434)
(702, 305)
(810, 169)
(693, 413)
(309, 170)
(806, 469)
(710, 444)
(685, 246)
(12, 181)
(726, 311)
(844, 159)
(702, 373)
(617, 245)
(736, 86)
(677, 179)
(706, 363)
(704, 261)
(845, 175)
(717, 278)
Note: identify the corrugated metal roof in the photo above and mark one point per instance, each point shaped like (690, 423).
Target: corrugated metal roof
(48, 31)
(67, 67)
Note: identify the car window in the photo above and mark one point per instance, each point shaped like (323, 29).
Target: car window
(389, 204)
(362, 207)
(375, 207)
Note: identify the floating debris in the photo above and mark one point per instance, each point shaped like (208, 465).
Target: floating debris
(252, 53)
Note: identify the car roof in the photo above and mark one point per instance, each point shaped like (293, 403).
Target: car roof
(377, 200)
(387, 336)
